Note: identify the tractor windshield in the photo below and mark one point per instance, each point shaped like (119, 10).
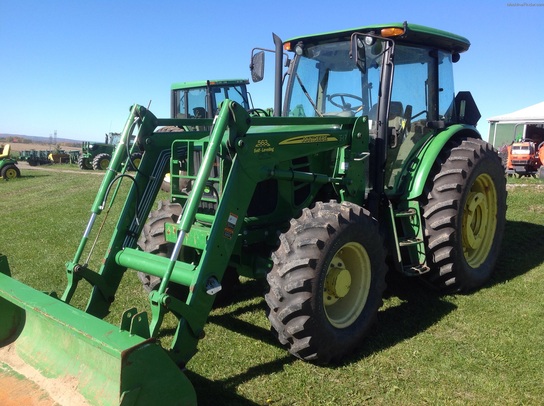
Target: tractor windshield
(325, 81)
(202, 102)
(114, 138)
(236, 93)
(522, 149)
(192, 103)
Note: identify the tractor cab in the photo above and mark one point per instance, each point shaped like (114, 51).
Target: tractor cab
(400, 76)
(201, 99)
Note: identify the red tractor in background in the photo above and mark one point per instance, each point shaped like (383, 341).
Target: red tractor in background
(526, 156)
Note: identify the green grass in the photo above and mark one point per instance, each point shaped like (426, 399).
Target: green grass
(479, 349)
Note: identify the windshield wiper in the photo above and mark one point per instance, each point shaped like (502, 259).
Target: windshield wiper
(308, 96)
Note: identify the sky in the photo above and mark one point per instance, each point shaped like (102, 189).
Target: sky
(74, 67)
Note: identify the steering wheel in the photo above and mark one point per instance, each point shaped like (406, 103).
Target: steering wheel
(258, 112)
(346, 106)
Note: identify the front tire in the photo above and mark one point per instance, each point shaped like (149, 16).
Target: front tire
(464, 215)
(84, 163)
(327, 282)
(152, 238)
(101, 162)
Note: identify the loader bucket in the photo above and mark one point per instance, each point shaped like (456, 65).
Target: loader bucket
(54, 354)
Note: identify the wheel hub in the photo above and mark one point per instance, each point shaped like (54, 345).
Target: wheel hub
(11, 173)
(338, 282)
(347, 285)
(479, 220)
(475, 220)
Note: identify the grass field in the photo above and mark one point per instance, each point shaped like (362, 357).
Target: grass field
(479, 349)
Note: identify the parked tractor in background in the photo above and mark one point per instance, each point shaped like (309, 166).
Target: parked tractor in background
(358, 172)
(201, 99)
(8, 164)
(34, 157)
(97, 155)
(526, 156)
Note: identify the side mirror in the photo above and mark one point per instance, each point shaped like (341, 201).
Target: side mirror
(358, 51)
(257, 66)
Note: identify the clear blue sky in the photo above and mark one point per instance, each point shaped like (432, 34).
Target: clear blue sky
(75, 67)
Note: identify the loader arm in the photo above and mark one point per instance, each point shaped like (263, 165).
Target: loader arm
(257, 150)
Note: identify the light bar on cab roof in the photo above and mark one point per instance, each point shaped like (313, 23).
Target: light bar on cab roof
(384, 32)
(391, 32)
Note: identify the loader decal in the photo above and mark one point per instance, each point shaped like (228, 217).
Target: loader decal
(306, 139)
(231, 224)
(262, 146)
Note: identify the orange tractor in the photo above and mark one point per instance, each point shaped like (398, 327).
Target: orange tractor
(525, 158)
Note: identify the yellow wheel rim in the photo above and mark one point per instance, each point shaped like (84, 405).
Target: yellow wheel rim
(11, 173)
(136, 162)
(479, 220)
(347, 285)
(104, 163)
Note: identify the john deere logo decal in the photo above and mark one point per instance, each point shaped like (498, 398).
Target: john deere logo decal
(306, 139)
(262, 146)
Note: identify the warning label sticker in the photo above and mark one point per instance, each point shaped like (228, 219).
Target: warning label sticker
(231, 223)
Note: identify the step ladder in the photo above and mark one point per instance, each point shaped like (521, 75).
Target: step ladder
(410, 240)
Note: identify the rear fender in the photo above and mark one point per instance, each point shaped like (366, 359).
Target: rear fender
(417, 173)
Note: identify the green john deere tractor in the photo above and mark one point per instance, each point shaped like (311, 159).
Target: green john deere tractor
(97, 155)
(360, 171)
(201, 99)
(8, 164)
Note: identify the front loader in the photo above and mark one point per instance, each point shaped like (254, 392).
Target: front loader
(371, 163)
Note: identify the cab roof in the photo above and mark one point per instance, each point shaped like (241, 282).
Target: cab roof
(205, 83)
(411, 34)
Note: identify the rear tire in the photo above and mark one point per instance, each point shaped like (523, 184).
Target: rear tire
(135, 159)
(10, 171)
(101, 162)
(464, 215)
(327, 282)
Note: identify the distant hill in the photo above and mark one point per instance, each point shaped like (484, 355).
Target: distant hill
(32, 139)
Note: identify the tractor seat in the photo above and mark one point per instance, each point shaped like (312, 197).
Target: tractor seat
(199, 112)
(396, 114)
(395, 110)
(5, 151)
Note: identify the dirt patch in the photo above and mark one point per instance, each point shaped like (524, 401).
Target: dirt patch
(513, 186)
(21, 384)
(18, 391)
(54, 168)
